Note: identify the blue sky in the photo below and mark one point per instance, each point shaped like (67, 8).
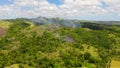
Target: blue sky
(57, 2)
(70, 9)
(4, 2)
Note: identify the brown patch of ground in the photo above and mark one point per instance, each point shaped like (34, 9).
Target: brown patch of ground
(3, 32)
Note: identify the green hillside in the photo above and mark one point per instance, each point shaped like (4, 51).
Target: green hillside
(4, 24)
(52, 46)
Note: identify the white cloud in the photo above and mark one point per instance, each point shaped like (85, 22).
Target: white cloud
(69, 8)
(27, 3)
(82, 7)
(113, 6)
(5, 10)
(111, 2)
(82, 2)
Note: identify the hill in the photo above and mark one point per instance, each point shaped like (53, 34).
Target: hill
(68, 23)
(29, 45)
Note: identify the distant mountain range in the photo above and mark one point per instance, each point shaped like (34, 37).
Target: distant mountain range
(57, 21)
(66, 22)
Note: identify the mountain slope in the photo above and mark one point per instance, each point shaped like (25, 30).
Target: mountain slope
(27, 45)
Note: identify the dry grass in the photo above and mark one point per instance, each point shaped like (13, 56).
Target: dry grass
(4, 24)
(115, 64)
(17, 66)
(91, 49)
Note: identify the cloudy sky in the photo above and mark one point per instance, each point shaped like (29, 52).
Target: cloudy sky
(69, 9)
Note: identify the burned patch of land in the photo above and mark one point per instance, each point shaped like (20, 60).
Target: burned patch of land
(3, 32)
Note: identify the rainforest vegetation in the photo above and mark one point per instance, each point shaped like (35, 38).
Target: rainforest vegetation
(27, 44)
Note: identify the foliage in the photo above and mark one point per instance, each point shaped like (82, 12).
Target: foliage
(44, 46)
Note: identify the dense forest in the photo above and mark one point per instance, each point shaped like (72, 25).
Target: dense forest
(28, 44)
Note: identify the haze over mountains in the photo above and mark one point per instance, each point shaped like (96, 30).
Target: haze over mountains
(67, 22)
(61, 20)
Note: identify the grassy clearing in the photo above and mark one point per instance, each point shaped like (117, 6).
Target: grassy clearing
(4, 24)
(91, 49)
(19, 66)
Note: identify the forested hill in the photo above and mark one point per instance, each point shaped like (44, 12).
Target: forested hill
(63, 22)
(25, 43)
(66, 22)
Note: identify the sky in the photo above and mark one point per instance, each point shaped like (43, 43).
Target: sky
(101, 10)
